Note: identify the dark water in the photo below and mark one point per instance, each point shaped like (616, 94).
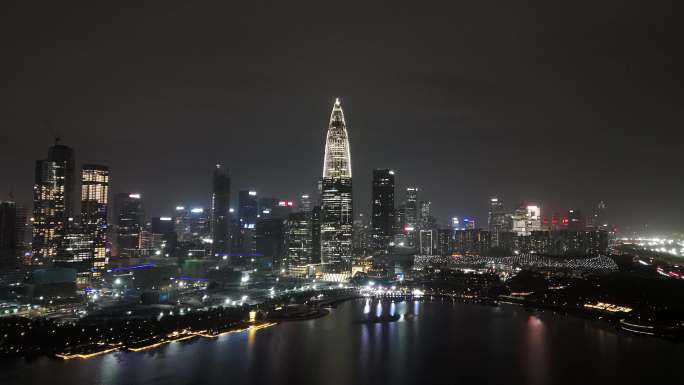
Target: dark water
(441, 343)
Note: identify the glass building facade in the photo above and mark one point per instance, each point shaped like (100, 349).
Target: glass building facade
(220, 215)
(383, 220)
(336, 196)
(94, 203)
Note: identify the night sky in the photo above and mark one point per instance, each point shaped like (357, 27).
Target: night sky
(564, 104)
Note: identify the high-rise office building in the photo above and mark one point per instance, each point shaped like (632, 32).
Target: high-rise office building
(495, 207)
(130, 219)
(519, 221)
(248, 211)
(497, 220)
(220, 216)
(305, 203)
(411, 215)
(48, 213)
(165, 228)
(534, 219)
(400, 220)
(94, 203)
(149, 243)
(336, 196)
(52, 202)
(76, 251)
(426, 241)
(316, 234)
(383, 220)
(601, 216)
(65, 177)
(575, 221)
(298, 243)
(23, 234)
(411, 207)
(425, 217)
(200, 224)
(268, 240)
(445, 242)
(181, 224)
(361, 237)
(8, 234)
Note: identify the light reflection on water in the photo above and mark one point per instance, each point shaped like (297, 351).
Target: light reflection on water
(463, 343)
(535, 346)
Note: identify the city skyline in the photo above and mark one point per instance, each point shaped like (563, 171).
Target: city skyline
(479, 211)
(163, 205)
(341, 193)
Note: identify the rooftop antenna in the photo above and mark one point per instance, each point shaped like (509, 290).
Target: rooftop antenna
(53, 132)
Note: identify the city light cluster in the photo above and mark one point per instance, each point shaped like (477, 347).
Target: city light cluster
(609, 307)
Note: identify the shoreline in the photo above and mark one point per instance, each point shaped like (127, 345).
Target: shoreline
(184, 335)
(617, 323)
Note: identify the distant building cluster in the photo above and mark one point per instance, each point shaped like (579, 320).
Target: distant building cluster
(594, 264)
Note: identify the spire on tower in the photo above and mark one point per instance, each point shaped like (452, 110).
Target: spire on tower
(337, 162)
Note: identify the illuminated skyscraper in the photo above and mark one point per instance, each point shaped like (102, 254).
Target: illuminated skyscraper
(305, 204)
(200, 224)
(248, 210)
(497, 220)
(361, 238)
(63, 157)
(48, 215)
(412, 207)
(165, 228)
(52, 201)
(425, 217)
(426, 243)
(298, 243)
(383, 209)
(336, 196)
(411, 216)
(130, 218)
(534, 221)
(220, 218)
(337, 162)
(575, 220)
(316, 234)
(182, 224)
(94, 201)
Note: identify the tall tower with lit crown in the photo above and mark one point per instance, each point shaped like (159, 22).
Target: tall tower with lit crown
(337, 163)
(336, 196)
